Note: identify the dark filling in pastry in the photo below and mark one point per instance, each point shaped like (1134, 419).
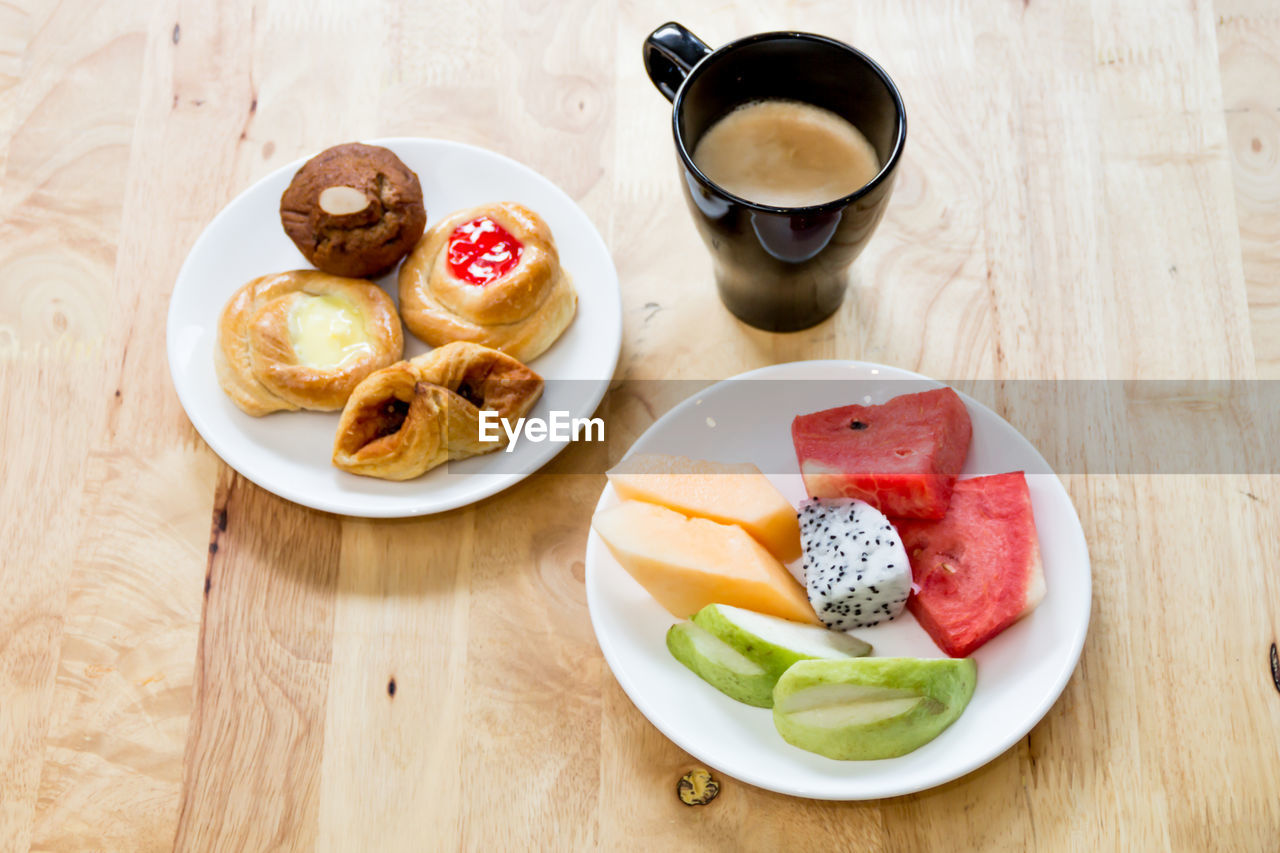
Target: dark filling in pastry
(389, 417)
(375, 422)
(470, 394)
(493, 386)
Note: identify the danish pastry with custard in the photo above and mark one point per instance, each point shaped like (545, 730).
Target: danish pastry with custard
(406, 419)
(488, 275)
(303, 340)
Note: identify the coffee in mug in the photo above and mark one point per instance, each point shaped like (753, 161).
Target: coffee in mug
(786, 154)
(772, 133)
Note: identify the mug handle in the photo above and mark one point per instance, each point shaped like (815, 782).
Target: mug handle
(670, 52)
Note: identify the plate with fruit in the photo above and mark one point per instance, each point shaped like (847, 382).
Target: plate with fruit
(838, 580)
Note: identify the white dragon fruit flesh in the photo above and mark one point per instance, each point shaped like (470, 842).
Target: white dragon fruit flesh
(855, 568)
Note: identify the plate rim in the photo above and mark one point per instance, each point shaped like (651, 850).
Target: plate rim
(495, 483)
(983, 756)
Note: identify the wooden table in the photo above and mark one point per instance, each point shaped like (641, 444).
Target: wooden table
(185, 659)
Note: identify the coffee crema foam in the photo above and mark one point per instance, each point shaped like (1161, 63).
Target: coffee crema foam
(785, 154)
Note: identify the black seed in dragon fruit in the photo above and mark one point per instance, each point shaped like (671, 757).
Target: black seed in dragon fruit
(855, 568)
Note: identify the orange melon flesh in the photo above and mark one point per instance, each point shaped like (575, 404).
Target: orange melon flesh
(730, 494)
(688, 563)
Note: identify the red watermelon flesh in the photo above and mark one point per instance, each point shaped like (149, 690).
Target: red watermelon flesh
(902, 457)
(977, 571)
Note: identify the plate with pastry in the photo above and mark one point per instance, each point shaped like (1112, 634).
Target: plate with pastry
(359, 331)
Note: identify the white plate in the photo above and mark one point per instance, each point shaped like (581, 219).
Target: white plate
(288, 452)
(1021, 672)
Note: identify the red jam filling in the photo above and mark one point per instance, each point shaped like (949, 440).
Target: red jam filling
(482, 251)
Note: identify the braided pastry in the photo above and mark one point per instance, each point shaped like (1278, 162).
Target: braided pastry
(406, 419)
(489, 275)
(303, 340)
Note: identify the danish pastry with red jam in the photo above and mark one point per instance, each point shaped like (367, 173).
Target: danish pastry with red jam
(488, 275)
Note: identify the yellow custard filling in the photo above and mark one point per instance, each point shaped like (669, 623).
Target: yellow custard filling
(327, 331)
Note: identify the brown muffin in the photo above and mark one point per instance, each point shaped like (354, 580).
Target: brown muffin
(354, 210)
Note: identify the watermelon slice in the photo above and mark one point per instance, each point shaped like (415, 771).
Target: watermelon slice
(978, 570)
(902, 457)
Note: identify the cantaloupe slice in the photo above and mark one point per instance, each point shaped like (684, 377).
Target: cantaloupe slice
(688, 563)
(728, 493)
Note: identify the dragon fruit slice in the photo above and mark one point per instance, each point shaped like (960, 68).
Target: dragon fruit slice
(855, 568)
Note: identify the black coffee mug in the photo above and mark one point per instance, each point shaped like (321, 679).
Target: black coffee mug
(777, 268)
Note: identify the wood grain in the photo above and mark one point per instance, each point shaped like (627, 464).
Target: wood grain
(187, 662)
(1249, 57)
